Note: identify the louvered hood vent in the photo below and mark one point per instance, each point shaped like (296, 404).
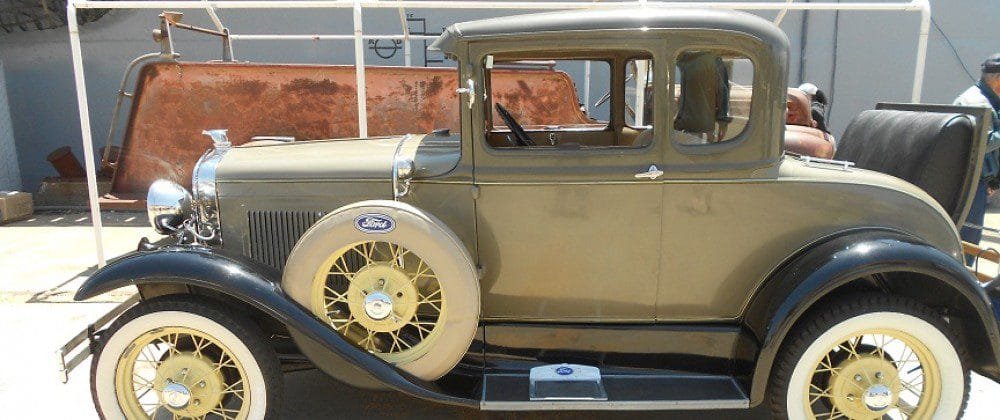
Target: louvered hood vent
(273, 234)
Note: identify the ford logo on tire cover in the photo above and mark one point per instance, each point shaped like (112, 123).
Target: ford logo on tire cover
(374, 223)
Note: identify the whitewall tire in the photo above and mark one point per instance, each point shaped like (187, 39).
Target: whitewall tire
(870, 356)
(185, 357)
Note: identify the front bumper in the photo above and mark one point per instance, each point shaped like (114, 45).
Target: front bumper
(85, 343)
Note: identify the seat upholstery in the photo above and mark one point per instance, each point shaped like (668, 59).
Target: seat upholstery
(798, 109)
(930, 150)
(809, 141)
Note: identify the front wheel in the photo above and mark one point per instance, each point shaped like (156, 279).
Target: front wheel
(870, 356)
(181, 357)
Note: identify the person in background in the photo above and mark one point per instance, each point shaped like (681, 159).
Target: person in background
(819, 104)
(984, 94)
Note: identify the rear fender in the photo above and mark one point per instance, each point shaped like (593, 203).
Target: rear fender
(258, 286)
(829, 266)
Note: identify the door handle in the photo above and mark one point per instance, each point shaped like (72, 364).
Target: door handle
(652, 173)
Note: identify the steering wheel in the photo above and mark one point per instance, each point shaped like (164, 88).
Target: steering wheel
(519, 134)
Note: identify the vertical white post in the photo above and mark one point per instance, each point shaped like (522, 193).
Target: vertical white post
(88, 144)
(925, 28)
(586, 87)
(407, 60)
(359, 70)
(641, 75)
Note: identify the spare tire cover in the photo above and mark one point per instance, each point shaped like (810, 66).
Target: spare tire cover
(370, 303)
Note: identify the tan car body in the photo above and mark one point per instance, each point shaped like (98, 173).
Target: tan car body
(678, 272)
(573, 235)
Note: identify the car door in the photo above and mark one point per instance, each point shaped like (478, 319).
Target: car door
(568, 233)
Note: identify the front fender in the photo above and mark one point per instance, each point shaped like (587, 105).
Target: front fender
(810, 276)
(258, 286)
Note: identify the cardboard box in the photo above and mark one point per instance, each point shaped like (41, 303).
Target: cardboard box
(15, 205)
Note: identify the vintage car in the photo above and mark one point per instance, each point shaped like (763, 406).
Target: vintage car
(681, 262)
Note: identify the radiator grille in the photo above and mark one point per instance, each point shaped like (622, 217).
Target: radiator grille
(273, 234)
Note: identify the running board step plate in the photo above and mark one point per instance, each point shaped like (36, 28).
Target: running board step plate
(514, 392)
(565, 382)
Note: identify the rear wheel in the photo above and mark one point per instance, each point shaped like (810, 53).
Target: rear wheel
(870, 356)
(181, 357)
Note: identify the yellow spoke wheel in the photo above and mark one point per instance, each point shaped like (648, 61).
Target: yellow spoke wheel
(875, 373)
(870, 356)
(180, 372)
(381, 297)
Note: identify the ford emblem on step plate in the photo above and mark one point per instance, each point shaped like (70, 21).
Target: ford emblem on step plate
(564, 370)
(374, 223)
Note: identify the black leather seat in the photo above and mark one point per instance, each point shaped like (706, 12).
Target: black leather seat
(930, 150)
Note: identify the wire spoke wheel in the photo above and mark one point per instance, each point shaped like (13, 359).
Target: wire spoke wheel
(180, 372)
(381, 297)
(875, 374)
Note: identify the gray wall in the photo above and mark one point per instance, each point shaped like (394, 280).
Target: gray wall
(875, 53)
(10, 176)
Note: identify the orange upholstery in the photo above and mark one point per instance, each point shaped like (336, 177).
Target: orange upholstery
(799, 110)
(809, 141)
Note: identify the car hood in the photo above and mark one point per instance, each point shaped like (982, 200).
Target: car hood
(341, 159)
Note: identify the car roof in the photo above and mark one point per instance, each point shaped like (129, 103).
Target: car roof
(638, 19)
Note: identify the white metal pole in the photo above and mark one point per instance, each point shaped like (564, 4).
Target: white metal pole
(214, 17)
(359, 70)
(641, 76)
(913, 5)
(918, 72)
(586, 87)
(88, 144)
(781, 15)
(319, 37)
(407, 61)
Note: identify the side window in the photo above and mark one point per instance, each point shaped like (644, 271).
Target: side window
(712, 93)
(540, 103)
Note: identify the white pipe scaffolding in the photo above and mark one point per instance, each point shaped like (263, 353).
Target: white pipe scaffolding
(211, 6)
(914, 5)
(88, 145)
(322, 37)
(407, 61)
(359, 71)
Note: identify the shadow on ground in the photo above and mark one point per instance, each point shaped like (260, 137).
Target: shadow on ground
(310, 394)
(78, 218)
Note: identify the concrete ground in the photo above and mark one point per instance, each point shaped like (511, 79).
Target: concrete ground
(44, 259)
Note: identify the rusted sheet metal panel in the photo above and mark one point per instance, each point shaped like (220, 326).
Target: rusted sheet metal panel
(174, 102)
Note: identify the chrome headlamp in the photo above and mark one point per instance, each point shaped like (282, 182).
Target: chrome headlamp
(168, 205)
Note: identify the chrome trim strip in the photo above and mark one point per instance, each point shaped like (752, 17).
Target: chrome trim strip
(203, 185)
(402, 171)
(841, 164)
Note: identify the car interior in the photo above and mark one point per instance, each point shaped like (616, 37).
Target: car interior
(712, 95)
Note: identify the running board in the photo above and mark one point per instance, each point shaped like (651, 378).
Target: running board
(517, 392)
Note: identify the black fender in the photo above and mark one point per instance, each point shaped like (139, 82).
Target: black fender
(814, 273)
(256, 285)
